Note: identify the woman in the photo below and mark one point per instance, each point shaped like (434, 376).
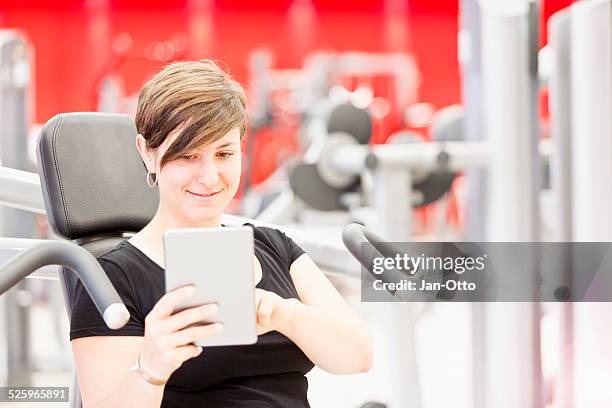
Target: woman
(191, 120)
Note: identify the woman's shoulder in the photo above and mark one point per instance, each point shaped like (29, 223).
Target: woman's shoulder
(123, 256)
(119, 252)
(268, 233)
(277, 240)
(126, 265)
(271, 236)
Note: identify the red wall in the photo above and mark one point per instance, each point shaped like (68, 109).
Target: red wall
(73, 39)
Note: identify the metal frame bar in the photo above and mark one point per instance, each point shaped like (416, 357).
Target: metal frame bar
(21, 189)
(561, 124)
(591, 138)
(512, 373)
(455, 156)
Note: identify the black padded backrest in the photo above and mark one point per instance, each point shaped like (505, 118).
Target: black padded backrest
(92, 177)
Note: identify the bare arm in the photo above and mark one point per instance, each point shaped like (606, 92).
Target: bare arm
(103, 362)
(322, 324)
(102, 365)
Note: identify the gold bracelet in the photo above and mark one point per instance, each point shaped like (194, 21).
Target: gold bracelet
(147, 377)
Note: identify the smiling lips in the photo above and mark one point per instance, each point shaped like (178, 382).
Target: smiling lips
(204, 196)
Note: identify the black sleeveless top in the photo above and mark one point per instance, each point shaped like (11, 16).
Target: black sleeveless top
(269, 373)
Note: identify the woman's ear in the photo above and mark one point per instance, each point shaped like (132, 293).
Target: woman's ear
(147, 156)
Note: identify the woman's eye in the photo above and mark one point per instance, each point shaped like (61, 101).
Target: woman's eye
(188, 156)
(225, 155)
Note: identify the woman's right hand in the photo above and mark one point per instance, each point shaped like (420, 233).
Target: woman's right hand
(168, 338)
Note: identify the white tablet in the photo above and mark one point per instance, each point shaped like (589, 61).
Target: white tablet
(219, 262)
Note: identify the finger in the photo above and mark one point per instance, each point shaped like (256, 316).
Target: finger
(195, 333)
(184, 353)
(258, 295)
(189, 316)
(165, 306)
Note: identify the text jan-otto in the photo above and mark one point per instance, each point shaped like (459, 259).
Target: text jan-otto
(423, 285)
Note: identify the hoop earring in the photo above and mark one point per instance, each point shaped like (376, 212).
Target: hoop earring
(149, 177)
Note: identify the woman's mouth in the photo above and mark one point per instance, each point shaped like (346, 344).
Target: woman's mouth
(204, 196)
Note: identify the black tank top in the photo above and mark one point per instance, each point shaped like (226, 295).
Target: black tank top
(269, 373)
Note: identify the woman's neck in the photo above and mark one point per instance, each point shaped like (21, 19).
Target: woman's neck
(150, 239)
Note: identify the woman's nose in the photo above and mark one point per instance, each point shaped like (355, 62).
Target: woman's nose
(208, 174)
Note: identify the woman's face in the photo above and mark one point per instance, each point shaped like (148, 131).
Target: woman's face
(196, 188)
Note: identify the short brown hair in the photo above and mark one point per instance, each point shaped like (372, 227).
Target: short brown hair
(197, 95)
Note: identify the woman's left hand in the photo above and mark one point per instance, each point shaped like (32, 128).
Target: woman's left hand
(273, 312)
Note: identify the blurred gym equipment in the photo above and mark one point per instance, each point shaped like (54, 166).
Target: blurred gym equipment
(15, 107)
(311, 104)
(329, 177)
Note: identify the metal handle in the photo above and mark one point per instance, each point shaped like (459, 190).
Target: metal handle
(353, 235)
(81, 262)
